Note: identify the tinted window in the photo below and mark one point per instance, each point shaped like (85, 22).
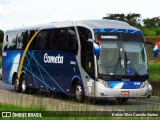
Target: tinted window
(33, 45)
(5, 42)
(19, 40)
(87, 58)
(41, 37)
(10, 41)
(63, 39)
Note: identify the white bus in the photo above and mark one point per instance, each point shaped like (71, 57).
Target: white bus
(94, 58)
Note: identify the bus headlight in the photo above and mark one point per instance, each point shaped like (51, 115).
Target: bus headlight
(104, 83)
(144, 84)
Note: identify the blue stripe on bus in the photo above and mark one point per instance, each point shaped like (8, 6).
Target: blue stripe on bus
(114, 30)
(31, 72)
(37, 78)
(125, 84)
(45, 71)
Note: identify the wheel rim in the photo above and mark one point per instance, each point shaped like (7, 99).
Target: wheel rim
(78, 92)
(23, 85)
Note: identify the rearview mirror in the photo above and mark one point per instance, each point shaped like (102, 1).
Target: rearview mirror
(96, 47)
(155, 50)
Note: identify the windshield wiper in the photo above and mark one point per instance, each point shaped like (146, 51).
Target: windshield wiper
(126, 64)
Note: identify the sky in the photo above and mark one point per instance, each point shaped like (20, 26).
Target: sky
(19, 13)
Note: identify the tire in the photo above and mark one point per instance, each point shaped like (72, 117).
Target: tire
(16, 84)
(24, 88)
(122, 100)
(78, 93)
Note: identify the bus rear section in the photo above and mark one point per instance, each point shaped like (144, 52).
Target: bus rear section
(50, 62)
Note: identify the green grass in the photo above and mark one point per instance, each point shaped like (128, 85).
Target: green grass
(154, 72)
(9, 107)
(88, 118)
(151, 32)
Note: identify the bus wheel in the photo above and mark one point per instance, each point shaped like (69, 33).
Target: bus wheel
(24, 88)
(17, 85)
(78, 93)
(122, 100)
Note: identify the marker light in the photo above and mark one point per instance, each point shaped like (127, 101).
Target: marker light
(104, 83)
(144, 84)
(99, 42)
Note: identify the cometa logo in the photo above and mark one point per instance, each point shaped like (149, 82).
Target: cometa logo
(53, 59)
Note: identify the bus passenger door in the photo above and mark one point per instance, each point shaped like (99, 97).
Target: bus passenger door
(87, 61)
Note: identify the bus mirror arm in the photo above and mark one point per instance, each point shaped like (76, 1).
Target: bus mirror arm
(96, 47)
(91, 40)
(155, 48)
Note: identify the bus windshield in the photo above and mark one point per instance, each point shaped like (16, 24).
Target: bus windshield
(122, 54)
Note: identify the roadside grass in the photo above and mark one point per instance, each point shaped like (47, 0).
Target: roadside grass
(151, 32)
(86, 118)
(38, 106)
(154, 72)
(23, 104)
(9, 107)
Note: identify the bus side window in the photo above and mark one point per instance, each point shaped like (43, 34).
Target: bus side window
(62, 39)
(12, 45)
(50, 38)
(6, 43)
(42, 37)
(25, 39)
(72, 41)
(20, 40)
(33, 45)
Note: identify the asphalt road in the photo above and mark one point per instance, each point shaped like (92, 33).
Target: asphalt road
(56, 102)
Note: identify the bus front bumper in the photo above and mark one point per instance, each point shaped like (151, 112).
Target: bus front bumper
(102, 91)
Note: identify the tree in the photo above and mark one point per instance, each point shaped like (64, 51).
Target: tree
(153, 22)
(120, 17)
(134, 19)
(1, 35)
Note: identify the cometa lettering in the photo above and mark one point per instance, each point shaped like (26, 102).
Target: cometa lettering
(53, 59)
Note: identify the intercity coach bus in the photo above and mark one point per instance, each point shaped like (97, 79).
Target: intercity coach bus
(93, 58)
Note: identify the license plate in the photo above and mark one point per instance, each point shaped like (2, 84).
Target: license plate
(124, 92)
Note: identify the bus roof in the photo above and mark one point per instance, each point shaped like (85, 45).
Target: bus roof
(90, 24)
